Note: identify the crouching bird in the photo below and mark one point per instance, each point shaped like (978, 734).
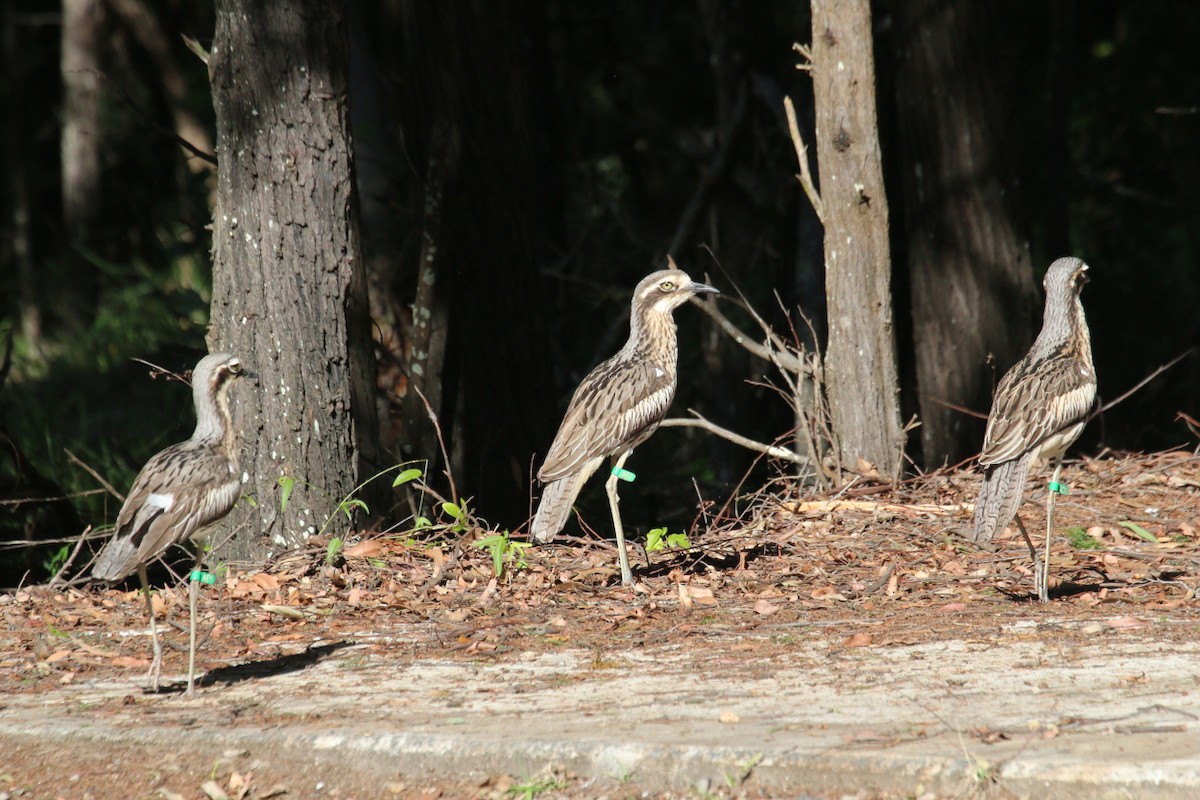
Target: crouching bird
(1039, 410)
(617, 407)
(177, 494)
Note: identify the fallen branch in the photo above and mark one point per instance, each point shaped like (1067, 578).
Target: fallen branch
(772, 450)
(1122, 398)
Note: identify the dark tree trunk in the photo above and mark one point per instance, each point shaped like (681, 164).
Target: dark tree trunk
(860, 357)
(81, 117)
(474, 129)
(971, 279)
(288, 288)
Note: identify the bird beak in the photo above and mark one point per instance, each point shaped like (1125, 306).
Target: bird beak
(703, 288)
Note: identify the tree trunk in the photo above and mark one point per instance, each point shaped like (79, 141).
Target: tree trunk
(474, 128)
(971, 278)
(288, 288)
(81, 117)
(860, 356)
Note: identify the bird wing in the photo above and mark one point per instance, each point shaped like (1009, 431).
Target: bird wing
(178, 492)
(616, 407)
(1036, 400)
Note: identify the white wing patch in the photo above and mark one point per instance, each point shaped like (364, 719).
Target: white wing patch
(163, 501)
(658, 373)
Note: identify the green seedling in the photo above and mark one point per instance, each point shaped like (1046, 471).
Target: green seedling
(333, 550)
(1081, 540)
(658, 539)
(533, 787)
(506, 554)
(56, 560)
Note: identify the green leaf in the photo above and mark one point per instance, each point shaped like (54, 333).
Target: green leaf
(679, 540)
(288, 483)
(422, 522)
(353, 502)
(331, 552)
(654, 539)
(1139, 531)
(454, 511)
(410, 474)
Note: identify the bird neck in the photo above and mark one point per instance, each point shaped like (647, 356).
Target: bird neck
(1064, 323)
(652, 337)
(213, 424)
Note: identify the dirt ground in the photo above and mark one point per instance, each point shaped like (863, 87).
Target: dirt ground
(872, 567)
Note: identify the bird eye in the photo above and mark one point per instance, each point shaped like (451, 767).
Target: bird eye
(667, 286)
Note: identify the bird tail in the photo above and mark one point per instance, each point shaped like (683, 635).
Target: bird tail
(116, 560)
(1000, 496)
(557, 499)
(554, 508)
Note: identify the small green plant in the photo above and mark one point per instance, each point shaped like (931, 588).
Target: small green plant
(507, 555)
(333, 550)
(532, 787)
(658, 539)
(1081, 540)
(458, 513)
(56, 560)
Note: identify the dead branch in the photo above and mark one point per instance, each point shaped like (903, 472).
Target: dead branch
(120, 497)
(805, 176)
(1138, 386)
(772, 450)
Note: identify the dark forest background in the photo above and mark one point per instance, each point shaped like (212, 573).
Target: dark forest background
(573, 147)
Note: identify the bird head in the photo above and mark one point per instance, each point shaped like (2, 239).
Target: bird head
(1066, 274)
(667, 289)
(216, 372)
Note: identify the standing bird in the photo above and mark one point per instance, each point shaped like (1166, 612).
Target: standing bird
(1039, 410)
(177, 494)
(617, 407)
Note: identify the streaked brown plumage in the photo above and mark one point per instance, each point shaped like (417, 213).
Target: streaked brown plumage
(1040, 407)
(179, 492)
(617, 406)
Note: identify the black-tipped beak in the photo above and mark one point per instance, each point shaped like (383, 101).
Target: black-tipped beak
(703, 288)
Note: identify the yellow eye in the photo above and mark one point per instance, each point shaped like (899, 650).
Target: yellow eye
(667, 286)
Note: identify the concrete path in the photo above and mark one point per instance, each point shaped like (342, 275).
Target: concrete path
(1114, 714)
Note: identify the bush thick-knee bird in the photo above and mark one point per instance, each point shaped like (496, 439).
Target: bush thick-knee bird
(179, 492)
(617, 407)
(1039, 409)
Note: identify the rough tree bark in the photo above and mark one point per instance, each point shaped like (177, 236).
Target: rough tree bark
(971, 278)
(81, 117)
(288, 288)
(860, 356)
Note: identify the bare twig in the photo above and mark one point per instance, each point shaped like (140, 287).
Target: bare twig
(441, 441)
(70, 559)
(805, 176)
(698, 421)
(120, 497)
(1122, 398)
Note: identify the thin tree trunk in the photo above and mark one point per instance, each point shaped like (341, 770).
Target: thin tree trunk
(860, 357)
(288, 288)
(971, 278)
(81, 117)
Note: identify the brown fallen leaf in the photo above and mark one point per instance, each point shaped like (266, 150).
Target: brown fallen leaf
(1125, 623)
(367, 548)
(765, 607)
(729, 718)
(859, 640)
(130, 662)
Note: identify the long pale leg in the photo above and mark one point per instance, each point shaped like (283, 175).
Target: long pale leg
(193, 592)
(1033, 556)
(613, 504)
(1044, 585)
(156, 661)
